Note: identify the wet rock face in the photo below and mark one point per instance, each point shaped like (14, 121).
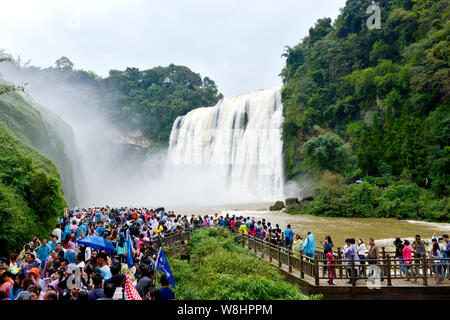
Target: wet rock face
(291, 201)
(293, 204)
(277, 206)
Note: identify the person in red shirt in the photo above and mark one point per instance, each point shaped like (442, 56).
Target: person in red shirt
(7, 284)
(330, 262)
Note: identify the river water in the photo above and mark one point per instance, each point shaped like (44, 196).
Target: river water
(384, 231)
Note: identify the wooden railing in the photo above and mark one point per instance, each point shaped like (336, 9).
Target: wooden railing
(388, 267)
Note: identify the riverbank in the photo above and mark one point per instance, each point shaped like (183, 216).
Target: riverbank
(403, 201)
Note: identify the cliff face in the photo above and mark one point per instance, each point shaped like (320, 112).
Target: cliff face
(35, 126)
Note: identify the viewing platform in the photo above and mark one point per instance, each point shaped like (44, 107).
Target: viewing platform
(309, 273)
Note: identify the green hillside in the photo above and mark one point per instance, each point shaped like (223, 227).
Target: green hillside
(38, 127)
(372, 103)
(31, 195)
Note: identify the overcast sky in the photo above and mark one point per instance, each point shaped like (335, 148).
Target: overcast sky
(237, 43)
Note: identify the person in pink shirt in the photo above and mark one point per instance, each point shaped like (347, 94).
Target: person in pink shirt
(8, 283)
(330, 262)
(252, 230)
(407, 255)
(232, 222)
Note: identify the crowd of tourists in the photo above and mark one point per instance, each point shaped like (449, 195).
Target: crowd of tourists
(62, 268)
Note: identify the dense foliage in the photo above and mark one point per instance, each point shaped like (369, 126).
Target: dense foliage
(221, 268)
(152, 99)
(31, 195)
(379, 98)
(39, 128)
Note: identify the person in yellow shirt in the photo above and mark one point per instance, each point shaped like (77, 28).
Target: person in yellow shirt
(243, 229)
(158, 229)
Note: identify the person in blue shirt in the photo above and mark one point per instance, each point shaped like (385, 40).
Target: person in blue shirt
(100, 229)
(309, 245)
(98, 216)
(81, 229)
(165, 292)
(16, 288)
(53, 243)
(288, 236)
(44, 251)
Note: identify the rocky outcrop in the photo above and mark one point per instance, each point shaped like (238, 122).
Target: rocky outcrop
(292, 204)
(279, 205)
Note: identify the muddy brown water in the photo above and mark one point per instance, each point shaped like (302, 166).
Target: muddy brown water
(384, 231)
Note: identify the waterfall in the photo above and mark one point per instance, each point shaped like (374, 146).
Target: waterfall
(239, 140)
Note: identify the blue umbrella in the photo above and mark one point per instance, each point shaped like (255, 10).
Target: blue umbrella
(98, 243)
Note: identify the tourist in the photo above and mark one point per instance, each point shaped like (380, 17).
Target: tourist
(351, 255)
(446, 254)
(145, 283)
(119, 282)
(398, 243)
(407, 260)
(97, 291)
(243, 228)
(30, 262)
(252, 230)
(436, 264)
(108, 291)
(165, 292)
(122, 249)
(309, 245)
(288, 236)
(420, 247)
(57, 232)
(326, 247)
(361, 251)
(330, 262)
(297, 244)
(16, 288)
(373, 257)
(8, 282)
(102, 265)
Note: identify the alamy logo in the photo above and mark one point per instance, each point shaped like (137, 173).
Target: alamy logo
(373, 277)
(374, 21)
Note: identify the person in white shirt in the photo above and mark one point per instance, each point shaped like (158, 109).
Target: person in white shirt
(57, 232)
(361, 251)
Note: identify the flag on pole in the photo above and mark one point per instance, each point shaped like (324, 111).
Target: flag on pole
(163, 265)
(130, 262)
(130, 290)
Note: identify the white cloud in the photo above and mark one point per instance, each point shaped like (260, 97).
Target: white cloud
(235, 42)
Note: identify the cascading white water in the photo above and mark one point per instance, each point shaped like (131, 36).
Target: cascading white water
(239, 140)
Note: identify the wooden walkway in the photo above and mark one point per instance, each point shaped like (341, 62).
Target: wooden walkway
(309, 275)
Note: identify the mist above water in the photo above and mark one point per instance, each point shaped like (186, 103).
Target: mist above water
(111, 173)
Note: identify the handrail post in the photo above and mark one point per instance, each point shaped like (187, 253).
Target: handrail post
(424, 270)
(316, 271)
(255, 244)
(289, 260)
(389, 277)
(302, 273)
(263, 247)
(270, 251)
(339, 256)
(383, 255)
(279, 256)
(353, 271)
